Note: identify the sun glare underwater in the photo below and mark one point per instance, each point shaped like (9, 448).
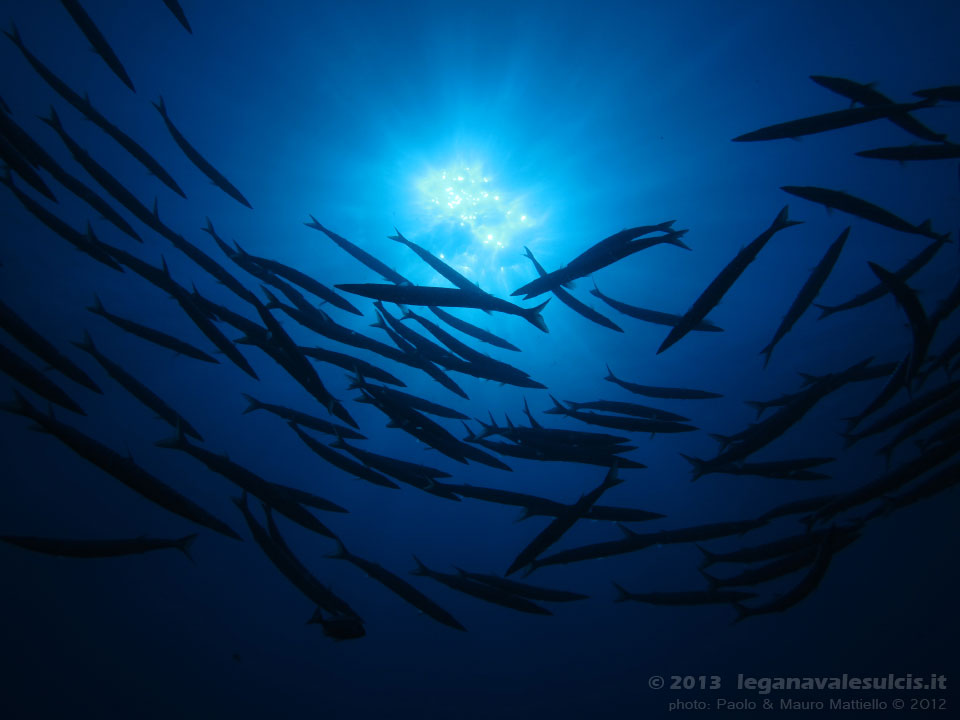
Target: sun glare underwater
(410, 326)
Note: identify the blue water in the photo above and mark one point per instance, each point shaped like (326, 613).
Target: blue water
(585, 119)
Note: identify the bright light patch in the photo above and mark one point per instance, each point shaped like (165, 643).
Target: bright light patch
(463, 195)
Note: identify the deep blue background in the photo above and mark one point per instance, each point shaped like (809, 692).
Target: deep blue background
(597, 116)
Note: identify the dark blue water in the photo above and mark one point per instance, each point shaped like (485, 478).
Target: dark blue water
(584, 120)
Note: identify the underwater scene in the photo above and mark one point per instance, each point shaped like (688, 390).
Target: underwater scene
(480, 360)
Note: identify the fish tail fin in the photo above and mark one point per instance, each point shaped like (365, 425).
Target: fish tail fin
(314, 223)
(86, 344)
(527, 254)
(699, 466)
(421, 569)
(53, 120)
(533, 316)
(97, 307)
(18, 406)
(783, 221)
(241, 502)
(610, 376)
(14, 35)
(161, 106)
(825, 310)
(557, 405)
(178, 441)
(209, 228)
(470, 436)
(622, 594)
(767, 352)
(708, 559)
(724, 440)
(524, 514)
(674, 239)
(185, 543)
(341, 551)
(252, 404)
(756, 405)
(711, 580)
(742, 612)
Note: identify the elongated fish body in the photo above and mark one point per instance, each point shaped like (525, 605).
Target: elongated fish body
(27, 375)
(481, 591)
(437, 264)
(630, 424)
(571, 302)
(399, 586)
(799, 591)
(894, 383)
(768, 550)
(950, 93)
(860, 208)
(122, 468)
(602, 250)
(351, 364)
(302, 418)
(451, 343)
(404, 398)
(248, 482)
(445, 297)
(927, 488)
(174, 7)
(797, 507)
(784, 565)
(725, 280)
(472, 330)
(97, 40)
(615, 251)
(287, 563)
(306, 282)
(75, 548)
(890, 481)
(391, 465)
(916, 405)
(808, 293)
(904, 273)
(651, 316)
(14, 159)
(20, 330)
(868, 96)
(348, 465)
(666, 393)
(426, 348)
(80, 241)
(945, 407)
(919, 323)
(690, 597)
(624, 408)
(136, 388)
(202, 164)
(43, 159)
(107, 181)
(531, 592)
(84, 105)
(360, 254)
(200, 319)
(633, 541)
(152, 335)
(910, 153)
(831, 121)
(563, 522)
